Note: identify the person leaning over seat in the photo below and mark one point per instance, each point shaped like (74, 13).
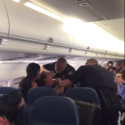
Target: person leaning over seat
(94, 76)
(33, 73)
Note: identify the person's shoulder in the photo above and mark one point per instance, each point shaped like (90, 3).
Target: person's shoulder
(24, 81)
(70, 67)
(98, 66)
(51, 64)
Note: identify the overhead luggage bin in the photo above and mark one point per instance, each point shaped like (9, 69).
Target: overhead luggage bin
(4, 26)
(31, 25)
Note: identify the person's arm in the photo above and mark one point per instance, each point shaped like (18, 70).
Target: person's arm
(44, 69)
(76, 77)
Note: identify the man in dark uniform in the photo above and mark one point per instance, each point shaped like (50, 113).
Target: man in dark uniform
(60, 68)
(94, 76)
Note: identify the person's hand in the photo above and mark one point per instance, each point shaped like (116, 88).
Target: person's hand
(52, 73)
(57, 80)
(59, 90)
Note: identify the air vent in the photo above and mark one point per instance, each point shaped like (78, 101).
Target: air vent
(84, 4)
(79, 0)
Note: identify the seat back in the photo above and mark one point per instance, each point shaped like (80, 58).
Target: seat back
(87, 104)
(6, 90)
(36, 93)
(55, 111)
(80, 93)
(22, 118)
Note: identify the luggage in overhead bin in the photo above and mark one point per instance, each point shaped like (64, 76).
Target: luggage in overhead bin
(89, 113)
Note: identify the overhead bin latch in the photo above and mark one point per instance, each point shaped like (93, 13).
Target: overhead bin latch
(105, 53)
(70, 50)
(50, 40)
(87, 49)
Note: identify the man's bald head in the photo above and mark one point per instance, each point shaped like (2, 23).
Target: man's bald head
(91, 61)
(62, 60)
(61, 64)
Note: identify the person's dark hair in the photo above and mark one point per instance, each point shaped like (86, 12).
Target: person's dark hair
(93, 61)
(122, 75)
(110, 62)
(113, 68)
(32, 70)
(7, 111)
(40, 82)
(14, 98)
(25, 85)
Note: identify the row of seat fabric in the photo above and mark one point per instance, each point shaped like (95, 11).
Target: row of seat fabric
(45, 107)
(86, 94)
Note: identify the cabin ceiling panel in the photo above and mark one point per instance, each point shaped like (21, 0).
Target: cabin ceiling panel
(111, 9)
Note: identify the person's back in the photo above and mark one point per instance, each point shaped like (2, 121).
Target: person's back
(98, 78)
(25, 85)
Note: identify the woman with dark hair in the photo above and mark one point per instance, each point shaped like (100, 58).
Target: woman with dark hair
(15, 99)
(33, 73)
(16, 102)
(8, 114)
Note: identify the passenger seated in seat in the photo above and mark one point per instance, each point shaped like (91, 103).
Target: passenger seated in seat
(16, 101)
(33, 73)
(46, 79)
(112, 70)
(7, 113)
(119, 79)
(109, 64)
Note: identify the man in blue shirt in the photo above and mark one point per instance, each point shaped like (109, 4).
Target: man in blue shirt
(121, 86)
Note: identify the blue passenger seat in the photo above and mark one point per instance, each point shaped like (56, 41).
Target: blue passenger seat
(86, 94)
(55, 111)
(36, 93)
(6, 90)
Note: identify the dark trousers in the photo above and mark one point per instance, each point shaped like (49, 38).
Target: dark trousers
(109, 114)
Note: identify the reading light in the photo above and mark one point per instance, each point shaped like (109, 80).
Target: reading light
(41, 10)
(16, 0)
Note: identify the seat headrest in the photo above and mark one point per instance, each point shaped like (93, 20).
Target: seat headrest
(56, 111)
(36, 93)
(86, 94)
(6, 90)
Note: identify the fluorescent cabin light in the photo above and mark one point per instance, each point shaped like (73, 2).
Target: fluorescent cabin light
(90, 34)
(41, 10)
(16, 0)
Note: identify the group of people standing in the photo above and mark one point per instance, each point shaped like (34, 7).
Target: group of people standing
(62, 76)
